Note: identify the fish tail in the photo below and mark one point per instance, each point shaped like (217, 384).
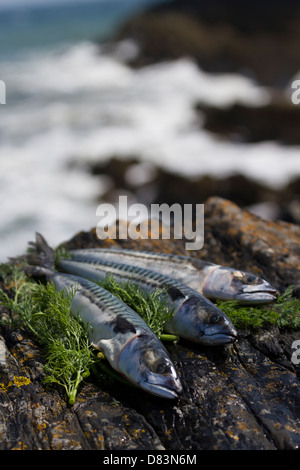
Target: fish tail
(44, 251)
(40, 260)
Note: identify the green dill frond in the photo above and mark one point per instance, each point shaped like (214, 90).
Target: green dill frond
(67, 364)
(284, 313)
(45, 312)
(67, 350)
(287, 309)
(149, 305)
(16, 294)
(59, 253)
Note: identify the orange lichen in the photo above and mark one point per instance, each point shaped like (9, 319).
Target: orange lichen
(19, 381)
(233, 436)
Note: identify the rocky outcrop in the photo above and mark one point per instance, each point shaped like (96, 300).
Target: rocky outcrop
(241, 239)
(233, 237)
(254, 39)
(158, 186)
(243, 396)
(277, 121)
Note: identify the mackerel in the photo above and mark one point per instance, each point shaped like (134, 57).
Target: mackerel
(127, 342)
(195, 318)
(211, 280)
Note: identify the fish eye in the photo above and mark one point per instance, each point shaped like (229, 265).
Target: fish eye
(251, 279)
(160, 367)
(215, 318)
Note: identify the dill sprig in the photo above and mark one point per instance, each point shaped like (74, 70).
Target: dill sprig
(61, 252)
(68, 352)
(284, 313)
(149, 305)
(45, 312)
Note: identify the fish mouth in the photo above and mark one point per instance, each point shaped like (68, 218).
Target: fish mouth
(223, 338)
(163, 391)
(220, 337)
(257, 297)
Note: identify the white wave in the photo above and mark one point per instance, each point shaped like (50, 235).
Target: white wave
(75, 103)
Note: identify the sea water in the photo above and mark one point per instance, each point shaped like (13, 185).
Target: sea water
(70, 102)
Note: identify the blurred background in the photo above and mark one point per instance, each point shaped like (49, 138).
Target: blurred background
(161, 100)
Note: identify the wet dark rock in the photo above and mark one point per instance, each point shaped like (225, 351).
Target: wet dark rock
(159, 186)
(297, 290)
(248, 18)
(242, 396)
(266, 247)
(255, 40)
(278, 121)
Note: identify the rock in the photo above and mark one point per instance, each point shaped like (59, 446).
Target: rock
(256, 16)
(156, 185)
(266, 247)
(241, 396)
(277, 121)
(255, 40)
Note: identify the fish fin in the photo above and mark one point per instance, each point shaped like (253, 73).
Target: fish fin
(44, 251)
(37, 271)
(39, 261)
(109, 349)
(175, 293)
(112, 347)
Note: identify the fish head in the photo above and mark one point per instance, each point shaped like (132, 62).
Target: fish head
(231, 284)
(199, 320)
(145, 362)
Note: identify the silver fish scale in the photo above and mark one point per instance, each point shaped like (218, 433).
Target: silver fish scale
(178, 259)
(146, 276)
(105, 300)
(191, 272)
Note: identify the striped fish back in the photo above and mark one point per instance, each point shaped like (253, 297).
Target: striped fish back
(130, 272)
